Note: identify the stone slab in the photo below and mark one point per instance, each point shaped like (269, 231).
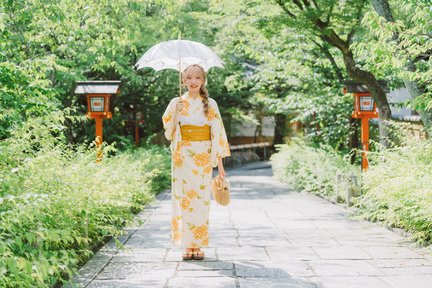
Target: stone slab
(208, 282)
(127, 284)
(137, 271)
(343, 268)
(242, 253)
(275, 283)
(349, 282)
(268, 269)
(205, 265)
(341, 252)
(291, 253)
(407, 281)
(141, 255)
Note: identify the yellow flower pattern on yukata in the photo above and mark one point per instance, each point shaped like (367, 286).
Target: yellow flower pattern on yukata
(176, 235)
(178, 159)
(185, 110)
(192, 165)
(191, 194)
(205, 242)
(202, 159)
(208, 169)
(211, 114)
(185, 202)
(200, 232)
(167, 118)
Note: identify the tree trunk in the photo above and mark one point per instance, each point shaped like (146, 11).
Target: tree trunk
(280, 128)
(382, 7)
(354, 138)
(376, 90)
(414, 91)
(362, 76)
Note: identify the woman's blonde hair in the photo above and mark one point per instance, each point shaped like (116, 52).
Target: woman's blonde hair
(203, 90)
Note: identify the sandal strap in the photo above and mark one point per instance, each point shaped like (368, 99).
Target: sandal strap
(187, 255)
(199, 255)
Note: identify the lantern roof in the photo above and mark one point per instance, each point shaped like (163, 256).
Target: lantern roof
(356, 87)
(97, 87)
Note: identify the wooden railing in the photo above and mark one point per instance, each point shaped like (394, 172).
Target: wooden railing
(252, 146)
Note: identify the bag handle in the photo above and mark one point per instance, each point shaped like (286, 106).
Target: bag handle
(218, 182)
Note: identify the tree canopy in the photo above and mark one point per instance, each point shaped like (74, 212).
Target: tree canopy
(287, 59)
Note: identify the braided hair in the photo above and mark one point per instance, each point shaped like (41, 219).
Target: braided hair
(203, 90)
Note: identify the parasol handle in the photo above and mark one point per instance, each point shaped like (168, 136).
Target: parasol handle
(180, 70)
(180, 82)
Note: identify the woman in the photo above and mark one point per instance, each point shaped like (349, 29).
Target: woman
(198, 143)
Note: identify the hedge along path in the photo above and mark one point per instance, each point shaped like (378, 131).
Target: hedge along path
(269, 235)
(60, 205)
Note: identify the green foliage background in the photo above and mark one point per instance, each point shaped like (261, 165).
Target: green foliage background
(275, 65)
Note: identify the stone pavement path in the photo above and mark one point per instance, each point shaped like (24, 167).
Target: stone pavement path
(269, 236)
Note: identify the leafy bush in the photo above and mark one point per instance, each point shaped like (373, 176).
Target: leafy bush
(22, 97)
(397, 189)
(310, 169)
(58, 204)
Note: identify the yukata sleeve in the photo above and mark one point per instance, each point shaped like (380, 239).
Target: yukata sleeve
(220, 146)
(172, 130)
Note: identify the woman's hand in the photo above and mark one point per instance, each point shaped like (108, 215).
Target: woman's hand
(178, 109)
(221, 169)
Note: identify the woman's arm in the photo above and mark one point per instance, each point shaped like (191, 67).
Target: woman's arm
(220, 146)
(221, 169)
(178, 108)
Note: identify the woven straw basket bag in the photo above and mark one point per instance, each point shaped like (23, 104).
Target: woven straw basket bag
(220, 188)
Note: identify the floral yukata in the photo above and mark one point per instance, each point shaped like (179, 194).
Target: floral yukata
(192, 165)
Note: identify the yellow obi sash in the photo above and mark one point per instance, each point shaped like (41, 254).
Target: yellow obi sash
(195, 133)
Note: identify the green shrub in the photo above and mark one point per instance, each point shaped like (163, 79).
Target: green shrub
(58, 204)
(397, 189)
(309, 169)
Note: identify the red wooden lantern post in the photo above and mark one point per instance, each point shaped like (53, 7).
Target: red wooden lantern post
(134, 120)
(139, 119)
(98, 104)
(364, 109)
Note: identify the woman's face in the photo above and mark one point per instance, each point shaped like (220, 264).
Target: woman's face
(194, 80)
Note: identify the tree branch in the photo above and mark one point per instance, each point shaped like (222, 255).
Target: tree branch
(298, 3)
(336, 41)
(330, 12)
(330, 57)
(306, 3)
(282, 5)
(358, 17)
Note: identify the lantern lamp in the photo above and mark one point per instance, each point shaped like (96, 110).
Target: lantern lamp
(367, 103)
(364, 109)
(98, 103)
